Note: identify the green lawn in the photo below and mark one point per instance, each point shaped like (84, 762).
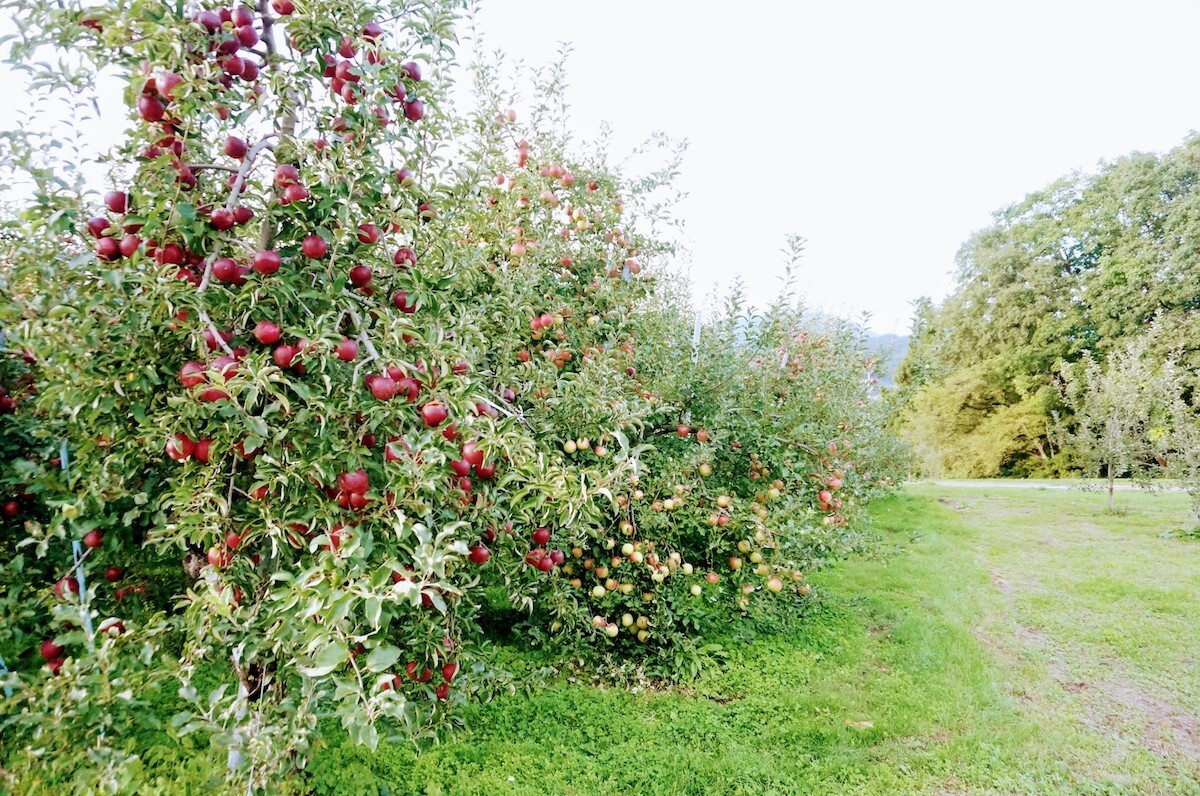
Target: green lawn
(1015, 641)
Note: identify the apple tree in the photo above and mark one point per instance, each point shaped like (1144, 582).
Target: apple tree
(333, 366)
(1129, 413)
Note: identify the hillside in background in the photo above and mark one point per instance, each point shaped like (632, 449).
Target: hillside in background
(892, 348)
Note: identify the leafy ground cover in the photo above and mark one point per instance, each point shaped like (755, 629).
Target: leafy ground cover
(1009, 641)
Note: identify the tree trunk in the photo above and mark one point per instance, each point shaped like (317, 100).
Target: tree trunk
(1111, 484)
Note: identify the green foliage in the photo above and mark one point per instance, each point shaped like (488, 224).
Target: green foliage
(915, 675)
(1130, 417)
(1082, 265)
(298, 527)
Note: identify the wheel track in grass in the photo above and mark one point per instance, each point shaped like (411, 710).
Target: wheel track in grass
(1104, 696)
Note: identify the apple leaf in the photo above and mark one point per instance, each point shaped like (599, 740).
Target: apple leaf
(326, 660)
(373, 610)
(382, 657)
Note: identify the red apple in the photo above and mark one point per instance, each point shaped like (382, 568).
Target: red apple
(202, 450)
(49, 650)
(472, 453)
(360, 275)
(286, 174)
(192, 374)
(65, 586)
(210, 20)
(405, 257)
(267, 333)
(113, 574)
(150, 108)
(235, 147)
(241, 17)
(247, 36)
(479, 554)
(267, 262)
(93, 538)
(354, 481)
(401, 302)
(170, 254)
(179, 447)
(414, 672)
(210, 340)
(97, 226)
(224, 366)
(166, 82)
(541, 536)
(222, 219)
(129, 245)
(116, 201)
(213, 395)
(412, 70)
(434, 413)
(383, 388)
(225, 270)
(369, 233)
(108, 249)
(414, 110)
(347, 350)
(285, 355)
(295, 192)
(314, 246)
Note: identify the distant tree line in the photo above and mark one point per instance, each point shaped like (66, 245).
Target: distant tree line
(1047, 295)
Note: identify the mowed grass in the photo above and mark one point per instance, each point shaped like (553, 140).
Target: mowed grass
(1012, 641)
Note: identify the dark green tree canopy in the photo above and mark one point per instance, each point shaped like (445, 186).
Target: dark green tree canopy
(1082, 265)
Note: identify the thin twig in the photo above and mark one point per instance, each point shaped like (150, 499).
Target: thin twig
(82, 558)
(229, 492)
(520, 416)
(216, 333)
(362, 333)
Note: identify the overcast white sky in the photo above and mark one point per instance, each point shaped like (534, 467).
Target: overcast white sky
(883, 132)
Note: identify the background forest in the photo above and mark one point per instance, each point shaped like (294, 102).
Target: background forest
(1083, 267)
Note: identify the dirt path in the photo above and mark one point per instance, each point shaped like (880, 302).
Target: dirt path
(1096, 623)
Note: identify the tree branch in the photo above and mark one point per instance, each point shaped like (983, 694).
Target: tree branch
(216, 333)
(362, 333)
(244, 170)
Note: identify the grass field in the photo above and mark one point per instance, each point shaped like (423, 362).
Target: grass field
(1011, 641)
